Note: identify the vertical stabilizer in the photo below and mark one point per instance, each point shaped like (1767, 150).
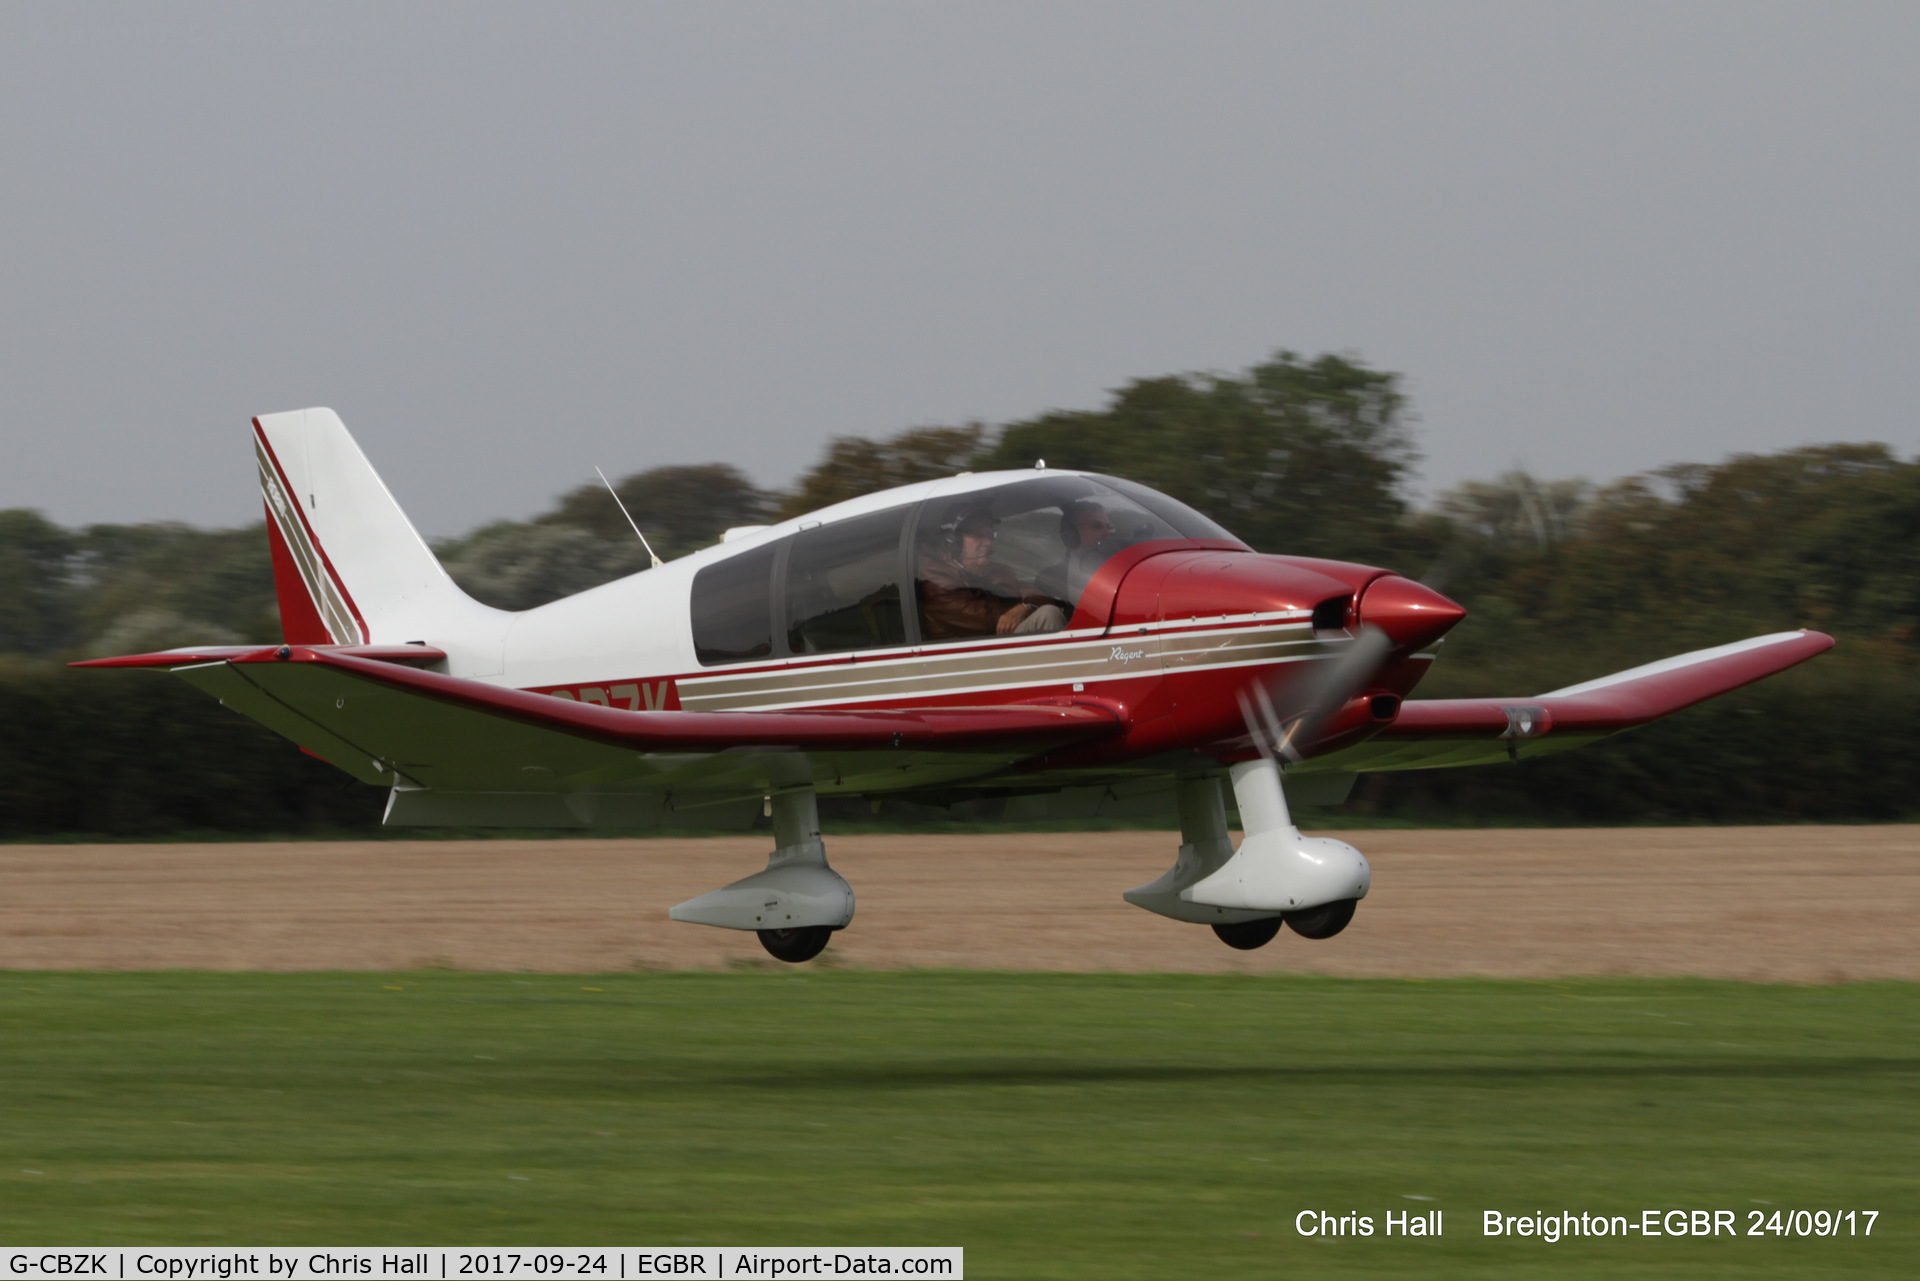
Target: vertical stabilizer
(348, 565)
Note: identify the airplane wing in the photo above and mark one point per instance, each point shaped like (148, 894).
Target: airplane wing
(365, 710)
(1441, 733)
(458, 751)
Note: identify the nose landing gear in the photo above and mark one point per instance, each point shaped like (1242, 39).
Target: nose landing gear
(1245, 936)
(1321, 922)
(1277, 876)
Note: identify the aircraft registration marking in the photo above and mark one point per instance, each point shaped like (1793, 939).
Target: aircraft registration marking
(635, 696)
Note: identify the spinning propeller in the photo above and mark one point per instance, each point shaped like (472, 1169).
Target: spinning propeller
(1311, 702)
(1287, 711)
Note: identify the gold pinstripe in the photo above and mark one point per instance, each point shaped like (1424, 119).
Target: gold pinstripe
(932, 674)
(332, 606)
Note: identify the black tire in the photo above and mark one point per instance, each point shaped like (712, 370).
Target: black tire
(796, 945)
(1248, 935)
(1322, 922)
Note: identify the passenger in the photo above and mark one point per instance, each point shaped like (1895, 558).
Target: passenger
(1084, 526)
(963, 592)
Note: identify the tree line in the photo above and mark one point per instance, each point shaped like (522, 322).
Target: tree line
(1564, 580)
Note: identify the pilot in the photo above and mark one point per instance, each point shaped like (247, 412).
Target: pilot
(964, 592)
(1084, 526)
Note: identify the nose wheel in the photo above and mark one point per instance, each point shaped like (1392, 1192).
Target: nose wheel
(802, 943)
(1321, 922)
(1245, 936)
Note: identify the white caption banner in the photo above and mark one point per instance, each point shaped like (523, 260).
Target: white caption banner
(440, 1263)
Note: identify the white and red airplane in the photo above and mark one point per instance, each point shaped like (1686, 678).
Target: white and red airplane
(1018, 634)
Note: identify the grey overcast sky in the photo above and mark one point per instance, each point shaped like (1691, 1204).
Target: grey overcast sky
(508, 242)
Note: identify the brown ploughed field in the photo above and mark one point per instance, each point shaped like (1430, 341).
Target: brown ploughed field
(1799, 904)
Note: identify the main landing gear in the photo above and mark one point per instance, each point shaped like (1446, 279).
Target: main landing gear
(797, 903)
(796, 945)
(1277, 876)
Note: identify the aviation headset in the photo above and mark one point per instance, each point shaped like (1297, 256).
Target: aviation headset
(959, 518)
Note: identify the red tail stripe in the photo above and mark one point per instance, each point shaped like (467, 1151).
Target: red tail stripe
(300, 621)
(366, 633)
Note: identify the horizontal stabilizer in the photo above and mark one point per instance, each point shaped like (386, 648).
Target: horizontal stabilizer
(413, 655)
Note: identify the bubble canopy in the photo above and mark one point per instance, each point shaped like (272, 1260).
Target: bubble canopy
(1140, 513)
(1010, 559)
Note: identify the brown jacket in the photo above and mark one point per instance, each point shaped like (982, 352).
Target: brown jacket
(956, 601)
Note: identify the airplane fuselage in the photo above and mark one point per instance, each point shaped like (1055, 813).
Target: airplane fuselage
(1164, 630)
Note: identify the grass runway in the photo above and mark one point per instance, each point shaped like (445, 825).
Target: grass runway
(1054, 1125)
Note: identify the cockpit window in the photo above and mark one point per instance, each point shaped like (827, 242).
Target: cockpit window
(843, 585)
(1015, 559)
(732, 608)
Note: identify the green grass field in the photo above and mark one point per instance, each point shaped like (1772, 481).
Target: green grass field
(1055, 1126)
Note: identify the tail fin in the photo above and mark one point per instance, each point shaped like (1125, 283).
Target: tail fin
(348, 565)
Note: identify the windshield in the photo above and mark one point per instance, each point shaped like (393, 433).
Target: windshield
(1015, 559)
(1189, 522)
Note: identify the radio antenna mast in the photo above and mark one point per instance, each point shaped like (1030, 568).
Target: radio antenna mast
(657, 562)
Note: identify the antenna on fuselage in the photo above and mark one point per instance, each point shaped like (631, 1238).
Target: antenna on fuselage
(657, 562)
